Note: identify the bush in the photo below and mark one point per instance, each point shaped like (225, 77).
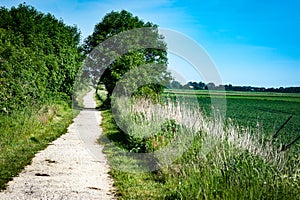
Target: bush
(39, 57)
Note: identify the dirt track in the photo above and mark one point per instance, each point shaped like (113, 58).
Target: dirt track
(71, 167)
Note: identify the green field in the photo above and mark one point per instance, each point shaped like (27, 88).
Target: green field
(261, 111)
(242, 162)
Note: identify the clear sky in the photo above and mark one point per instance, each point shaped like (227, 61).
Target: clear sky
(251, 42)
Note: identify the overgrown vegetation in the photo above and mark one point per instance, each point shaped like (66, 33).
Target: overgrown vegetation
(25, 132)
(39, 57)
(39, 61)
(212, 161)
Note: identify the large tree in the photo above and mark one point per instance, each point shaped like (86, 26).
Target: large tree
(126, 44)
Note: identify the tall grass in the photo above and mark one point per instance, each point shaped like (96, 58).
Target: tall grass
(200, 157)
(25, 132)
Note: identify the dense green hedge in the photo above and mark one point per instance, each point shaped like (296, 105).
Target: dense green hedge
(39, 57)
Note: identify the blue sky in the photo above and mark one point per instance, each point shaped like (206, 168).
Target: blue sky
(253, 42)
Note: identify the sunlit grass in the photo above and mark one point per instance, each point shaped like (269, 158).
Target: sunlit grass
(221, 161)
(24, 133)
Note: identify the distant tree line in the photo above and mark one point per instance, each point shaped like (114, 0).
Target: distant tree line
(211, 86)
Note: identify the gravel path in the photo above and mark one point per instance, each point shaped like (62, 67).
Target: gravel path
(71, 167)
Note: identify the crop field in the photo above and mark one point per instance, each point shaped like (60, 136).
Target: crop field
(243, 161)
(261, 111)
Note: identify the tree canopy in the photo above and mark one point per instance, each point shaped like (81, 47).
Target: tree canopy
(126, 44)
(39, 57)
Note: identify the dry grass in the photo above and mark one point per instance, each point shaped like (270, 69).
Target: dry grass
(143, 118)
(199, 157)
(47, 113)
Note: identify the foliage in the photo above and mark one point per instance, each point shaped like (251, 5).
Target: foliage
(39, 57)
(119, 52)
(242, 163)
